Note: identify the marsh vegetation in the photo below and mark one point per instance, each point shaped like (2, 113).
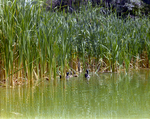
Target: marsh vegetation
(36, 44)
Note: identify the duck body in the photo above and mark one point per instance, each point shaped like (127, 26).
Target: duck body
(75, 75)
(87, 76)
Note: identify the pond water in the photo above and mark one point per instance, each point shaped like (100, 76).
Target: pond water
(108, 95)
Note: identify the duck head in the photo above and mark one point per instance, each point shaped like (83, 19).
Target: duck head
(67, 73)
(87, 71)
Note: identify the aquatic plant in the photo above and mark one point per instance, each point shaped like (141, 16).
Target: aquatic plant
(35, 44)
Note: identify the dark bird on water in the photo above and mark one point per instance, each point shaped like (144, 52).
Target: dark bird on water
(87, 76)
(67, 75)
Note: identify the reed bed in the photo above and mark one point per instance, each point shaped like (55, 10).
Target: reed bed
(36, 44)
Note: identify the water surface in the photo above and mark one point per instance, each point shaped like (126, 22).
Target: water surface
(108, 95)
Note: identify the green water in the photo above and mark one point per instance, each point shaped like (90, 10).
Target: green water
(108, 95)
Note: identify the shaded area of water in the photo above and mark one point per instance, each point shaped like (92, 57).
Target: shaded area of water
(105, 95)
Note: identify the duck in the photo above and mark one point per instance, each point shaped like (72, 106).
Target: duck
(67, 75)
(60, 76)
(87, 76)
(75, 75)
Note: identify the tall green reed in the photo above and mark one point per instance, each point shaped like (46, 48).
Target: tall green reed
(36, 43)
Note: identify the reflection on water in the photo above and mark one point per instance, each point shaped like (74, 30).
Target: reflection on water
(107, 95)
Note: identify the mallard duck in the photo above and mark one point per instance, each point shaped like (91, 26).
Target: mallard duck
(67, 75)
(87, 74)
(74, 74)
